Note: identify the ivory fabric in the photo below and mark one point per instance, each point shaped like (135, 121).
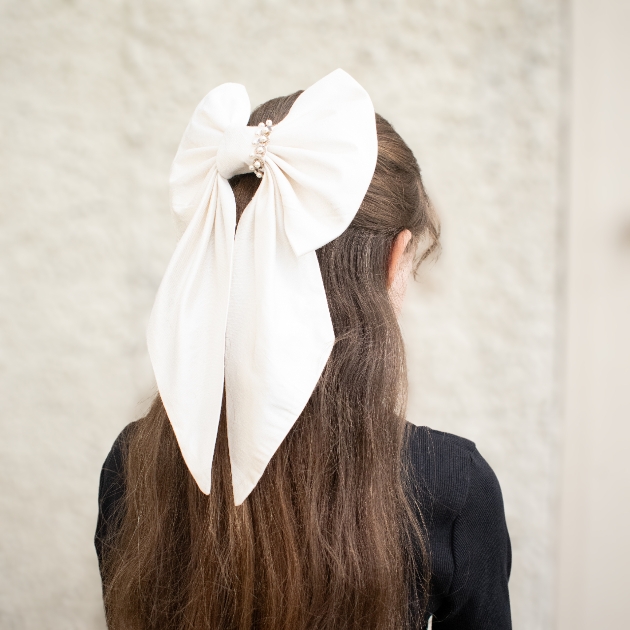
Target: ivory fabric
(246, 308)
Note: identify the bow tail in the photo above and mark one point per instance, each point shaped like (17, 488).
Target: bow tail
(186, 334)
(279, 338)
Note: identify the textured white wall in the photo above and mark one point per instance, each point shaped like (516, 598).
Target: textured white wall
(95, 96)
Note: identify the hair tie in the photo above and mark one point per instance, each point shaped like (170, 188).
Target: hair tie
(247, 308)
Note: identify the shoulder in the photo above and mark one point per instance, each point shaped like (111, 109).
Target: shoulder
(448, 474)
(424, 441)
(439, 465)
(111, 491)
(115, 458)
(111, 484)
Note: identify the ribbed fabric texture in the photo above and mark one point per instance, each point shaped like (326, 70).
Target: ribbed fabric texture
(460, 502)
(462, 507)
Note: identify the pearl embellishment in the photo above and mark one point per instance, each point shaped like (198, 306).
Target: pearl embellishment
(260, 142)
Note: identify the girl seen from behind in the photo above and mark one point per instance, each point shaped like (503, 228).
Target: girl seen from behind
(289, 491)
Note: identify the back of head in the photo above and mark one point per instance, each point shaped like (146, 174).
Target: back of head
(323, 540)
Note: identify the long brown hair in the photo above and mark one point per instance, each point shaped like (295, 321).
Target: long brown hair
(327, 539)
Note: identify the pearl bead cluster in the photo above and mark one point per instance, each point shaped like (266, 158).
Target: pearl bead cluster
(260, 143)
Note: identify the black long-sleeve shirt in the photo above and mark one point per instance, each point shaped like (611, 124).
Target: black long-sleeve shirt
(462, 509)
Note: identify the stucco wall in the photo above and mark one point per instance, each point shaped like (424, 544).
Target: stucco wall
(94, 98)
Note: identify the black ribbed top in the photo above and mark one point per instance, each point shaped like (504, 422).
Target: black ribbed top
(469, 545)
(462, 509)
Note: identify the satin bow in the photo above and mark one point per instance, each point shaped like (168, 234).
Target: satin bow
(248, 308)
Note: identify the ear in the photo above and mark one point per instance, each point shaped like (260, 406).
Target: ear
(396, 256)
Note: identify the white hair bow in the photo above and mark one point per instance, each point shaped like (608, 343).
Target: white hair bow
(249, 308)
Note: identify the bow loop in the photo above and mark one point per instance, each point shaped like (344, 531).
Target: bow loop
(223, 108)
(234, 156)
(326, 150)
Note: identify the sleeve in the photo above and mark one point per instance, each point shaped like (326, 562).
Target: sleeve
(111, 492)
(478, 597)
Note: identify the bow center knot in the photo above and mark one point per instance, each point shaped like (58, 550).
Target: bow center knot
(235, 151)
